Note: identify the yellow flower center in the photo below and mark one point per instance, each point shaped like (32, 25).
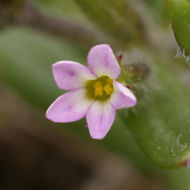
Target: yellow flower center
(100, 89)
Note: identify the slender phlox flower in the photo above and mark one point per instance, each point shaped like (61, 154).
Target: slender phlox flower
(93, 91)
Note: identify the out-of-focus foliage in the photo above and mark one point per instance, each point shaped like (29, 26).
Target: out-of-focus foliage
(116, 18)
(34, 77)
(64, 8)
(159, 10)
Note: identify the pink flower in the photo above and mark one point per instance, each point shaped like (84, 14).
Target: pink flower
(93, 92)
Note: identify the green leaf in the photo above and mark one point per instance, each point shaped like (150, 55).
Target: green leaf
(180, 15)
(162, 125)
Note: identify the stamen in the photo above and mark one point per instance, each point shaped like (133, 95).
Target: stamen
(98, 88)
(109, 81)
(108, 89)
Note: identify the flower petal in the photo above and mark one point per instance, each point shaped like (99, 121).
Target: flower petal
(70, 75)
(122, 97)
(102, 61)
(100, 118)
(69, 107)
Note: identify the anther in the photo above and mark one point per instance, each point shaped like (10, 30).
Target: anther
(98, 88)
(108, 89)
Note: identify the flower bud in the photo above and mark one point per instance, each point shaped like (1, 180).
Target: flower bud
(180, 15)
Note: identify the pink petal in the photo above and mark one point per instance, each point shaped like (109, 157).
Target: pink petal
(69, 107)
(100, 118)
(122, 97)
(102, 61)
(70, 75)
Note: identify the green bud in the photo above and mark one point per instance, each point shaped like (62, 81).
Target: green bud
(180, 15)
(134, 75)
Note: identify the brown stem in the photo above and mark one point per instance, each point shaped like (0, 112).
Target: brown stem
(8, 9)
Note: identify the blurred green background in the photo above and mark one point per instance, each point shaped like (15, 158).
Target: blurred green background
(145, 142)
